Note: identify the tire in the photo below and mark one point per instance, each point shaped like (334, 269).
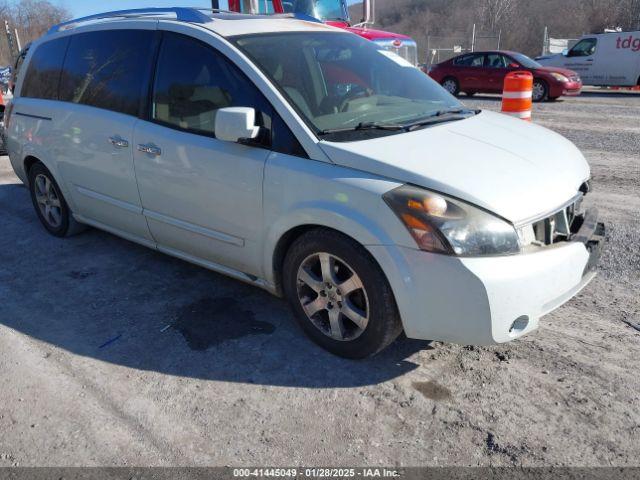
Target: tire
(451, 85)
(324, 311)
(49, 203)
(540, 90)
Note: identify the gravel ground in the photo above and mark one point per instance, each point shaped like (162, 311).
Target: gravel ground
(90, 375)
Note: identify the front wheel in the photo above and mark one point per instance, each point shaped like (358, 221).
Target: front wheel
(540, 91)
(339, 295)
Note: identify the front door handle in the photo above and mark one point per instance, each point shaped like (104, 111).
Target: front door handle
(150, 149)
(118, 142)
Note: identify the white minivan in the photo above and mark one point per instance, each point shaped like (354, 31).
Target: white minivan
(307, 161)
(605, 59)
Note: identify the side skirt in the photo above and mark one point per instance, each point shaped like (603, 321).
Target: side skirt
(215, 267)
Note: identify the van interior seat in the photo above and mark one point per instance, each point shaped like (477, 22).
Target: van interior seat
(193, 106)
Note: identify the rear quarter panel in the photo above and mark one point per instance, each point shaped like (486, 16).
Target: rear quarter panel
(32, 132)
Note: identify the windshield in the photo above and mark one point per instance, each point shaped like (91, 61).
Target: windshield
(320, 9)
(341, 81)
(525, 61)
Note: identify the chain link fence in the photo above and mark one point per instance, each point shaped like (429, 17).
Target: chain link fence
(442, 48)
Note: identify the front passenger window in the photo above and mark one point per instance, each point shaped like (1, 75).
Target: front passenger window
(193, 82)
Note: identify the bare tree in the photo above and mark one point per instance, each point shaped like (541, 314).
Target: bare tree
(495, 12)
(522, 22)
(31, 19)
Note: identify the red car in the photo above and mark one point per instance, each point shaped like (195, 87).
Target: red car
(484, 72)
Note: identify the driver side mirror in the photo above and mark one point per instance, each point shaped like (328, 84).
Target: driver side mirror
(234, 124)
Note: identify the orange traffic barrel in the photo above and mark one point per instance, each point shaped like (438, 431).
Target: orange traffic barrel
(517, 98)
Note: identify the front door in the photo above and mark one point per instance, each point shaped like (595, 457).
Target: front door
(202, 197)
(582, 59)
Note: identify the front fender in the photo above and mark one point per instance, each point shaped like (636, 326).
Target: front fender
(301, 192)
(335, 216)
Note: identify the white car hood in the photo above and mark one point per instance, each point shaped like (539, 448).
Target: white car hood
(513, 168)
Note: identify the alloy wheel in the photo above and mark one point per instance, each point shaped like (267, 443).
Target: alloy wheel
(48, 201)
(333, 296)
(538, 91)
(450, 86)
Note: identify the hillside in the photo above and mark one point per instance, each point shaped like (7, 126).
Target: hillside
(521, 23)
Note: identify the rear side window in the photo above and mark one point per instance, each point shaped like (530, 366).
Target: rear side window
(194, 81)
(108, 69)
(43, 75)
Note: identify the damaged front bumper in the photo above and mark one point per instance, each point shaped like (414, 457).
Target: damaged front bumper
(592, 234)
(484, 301)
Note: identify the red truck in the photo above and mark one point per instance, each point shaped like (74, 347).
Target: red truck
(332, 12)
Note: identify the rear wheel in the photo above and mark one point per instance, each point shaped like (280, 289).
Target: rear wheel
(451, 85)
(540, 90)
(49, 203)
(339, 295)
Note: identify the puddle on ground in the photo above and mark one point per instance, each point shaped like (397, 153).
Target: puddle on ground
(433, 391)
(212, 321)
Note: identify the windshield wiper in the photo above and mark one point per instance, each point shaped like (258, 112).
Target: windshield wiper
(363, 126)
(436, 117)
(441, 116)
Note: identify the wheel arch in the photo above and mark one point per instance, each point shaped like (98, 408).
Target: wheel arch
(287, 239)
(31, 158)
(29, 162)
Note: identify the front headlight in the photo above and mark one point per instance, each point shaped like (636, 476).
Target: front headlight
(442, 224)
(559, 77)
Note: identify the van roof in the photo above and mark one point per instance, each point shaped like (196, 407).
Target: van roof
(221, 22)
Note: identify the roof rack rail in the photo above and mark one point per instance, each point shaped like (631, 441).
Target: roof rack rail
(183, 14)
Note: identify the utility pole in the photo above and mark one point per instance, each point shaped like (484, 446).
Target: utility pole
(18, 42)
(473, 39)
(13, 51)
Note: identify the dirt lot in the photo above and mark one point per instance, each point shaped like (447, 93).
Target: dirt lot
(90, 375)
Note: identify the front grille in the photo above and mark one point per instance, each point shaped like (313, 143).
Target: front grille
(555, 228)
(407, 49)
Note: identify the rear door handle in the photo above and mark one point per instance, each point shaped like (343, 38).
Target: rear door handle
(150, 149)
(118, 142)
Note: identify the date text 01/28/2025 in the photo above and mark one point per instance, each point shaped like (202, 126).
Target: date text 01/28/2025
(315, 473)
